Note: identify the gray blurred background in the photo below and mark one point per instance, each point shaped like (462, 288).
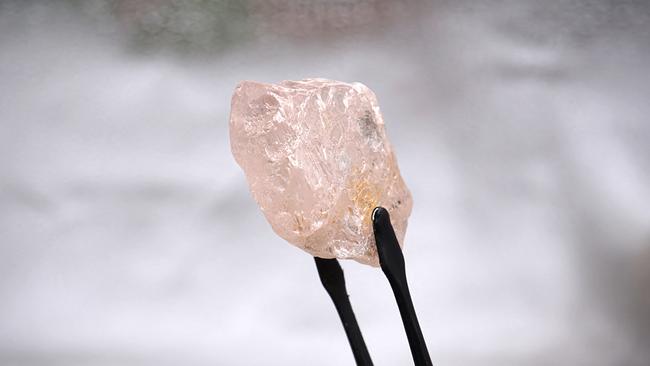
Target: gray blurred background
(128, 235)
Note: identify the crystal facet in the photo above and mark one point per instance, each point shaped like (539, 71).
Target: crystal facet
(317, 159)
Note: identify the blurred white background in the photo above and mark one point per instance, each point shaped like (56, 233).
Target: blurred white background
(128, 235)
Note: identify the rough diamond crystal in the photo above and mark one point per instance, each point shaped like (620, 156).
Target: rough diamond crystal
(317, 160)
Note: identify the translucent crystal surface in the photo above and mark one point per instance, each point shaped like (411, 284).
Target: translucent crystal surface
(317, 159)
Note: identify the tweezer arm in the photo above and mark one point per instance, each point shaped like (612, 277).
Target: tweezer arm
(391, 260)
(331, 276)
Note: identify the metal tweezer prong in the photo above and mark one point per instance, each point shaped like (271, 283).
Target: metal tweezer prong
(391, 260)
(331, 275)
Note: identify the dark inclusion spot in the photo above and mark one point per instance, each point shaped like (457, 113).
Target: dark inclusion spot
(367, 125)
(396, 204)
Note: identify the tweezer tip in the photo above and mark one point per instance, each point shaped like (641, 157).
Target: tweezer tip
(378, 214)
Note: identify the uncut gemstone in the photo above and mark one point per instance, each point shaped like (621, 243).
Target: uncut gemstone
(317, 160)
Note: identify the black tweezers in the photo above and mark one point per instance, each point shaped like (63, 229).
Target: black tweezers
(391, 260)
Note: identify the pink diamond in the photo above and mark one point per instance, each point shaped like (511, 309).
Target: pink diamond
(317, 160)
